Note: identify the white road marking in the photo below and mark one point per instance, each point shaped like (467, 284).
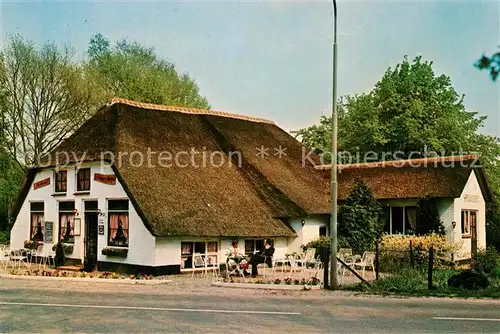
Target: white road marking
(466, 319)
(152, 308)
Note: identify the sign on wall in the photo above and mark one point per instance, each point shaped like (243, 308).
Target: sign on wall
(105, 178)
(100, 227)
(41, 183)
(49, 232)
(471, 198)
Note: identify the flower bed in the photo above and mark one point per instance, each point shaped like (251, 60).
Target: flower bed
(74, 274)
(287, 281)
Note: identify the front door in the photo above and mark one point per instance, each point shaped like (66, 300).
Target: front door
(91, 238)
(473, 233)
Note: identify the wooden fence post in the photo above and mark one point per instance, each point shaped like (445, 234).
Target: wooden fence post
(412, 260)
(431, 266)
(377, 251)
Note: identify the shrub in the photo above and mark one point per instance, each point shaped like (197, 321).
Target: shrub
(428, 217)
(360, 220)
(277, 281)
(68, 248)
(395, 251)
(4, 237)
(288, 281)
(487, 260)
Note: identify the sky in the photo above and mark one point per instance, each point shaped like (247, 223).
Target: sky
(274, 59)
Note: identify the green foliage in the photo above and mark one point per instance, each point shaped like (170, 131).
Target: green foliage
(409, 110)
(11, 176)
(360, 220)
(487, 260)
(130, 70)
(491, 64)
(428, 217)
(318, 242)
(4, 237)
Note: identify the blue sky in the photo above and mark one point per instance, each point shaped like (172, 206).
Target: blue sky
(273, 59)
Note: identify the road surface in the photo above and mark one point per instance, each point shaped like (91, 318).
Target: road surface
(26, 308)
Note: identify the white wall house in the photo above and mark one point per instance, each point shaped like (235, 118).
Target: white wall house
(149, 204)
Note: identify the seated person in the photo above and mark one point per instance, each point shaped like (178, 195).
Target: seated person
(264, 256)
(233, 252)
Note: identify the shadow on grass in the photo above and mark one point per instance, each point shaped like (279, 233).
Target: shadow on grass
(414, 283)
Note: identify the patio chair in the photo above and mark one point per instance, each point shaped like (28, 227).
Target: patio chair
(367, 260)
(308, 258)
(345, 254)
(18, 257)
(37, 254)
(5, 257)
(46, 256)
(199, 261)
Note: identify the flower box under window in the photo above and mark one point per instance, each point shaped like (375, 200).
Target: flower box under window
(115, 251)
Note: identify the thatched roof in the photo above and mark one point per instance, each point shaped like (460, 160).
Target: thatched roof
(412, 179)
(204, 201)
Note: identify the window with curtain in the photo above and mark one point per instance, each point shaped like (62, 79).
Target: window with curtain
(67, 222)
(118, 223)
(61, 184)
(401, 220)
(37, 221)
(83, 179)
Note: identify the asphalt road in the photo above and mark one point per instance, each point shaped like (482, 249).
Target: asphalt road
(28, 309)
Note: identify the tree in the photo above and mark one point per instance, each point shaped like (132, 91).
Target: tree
(360, 219)
(409, 112)
(491, 64)
(132, 71)
(45, 97)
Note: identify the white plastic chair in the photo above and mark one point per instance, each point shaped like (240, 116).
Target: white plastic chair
(5, 257)
(46, 256)
(308, 258)
(367, 260)
(18, 258)
(199, 261)
(37, 254)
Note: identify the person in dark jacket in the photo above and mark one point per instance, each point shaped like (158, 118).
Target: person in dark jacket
(264, 256)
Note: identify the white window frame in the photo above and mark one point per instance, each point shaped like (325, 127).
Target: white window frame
(404, 217)
(205, 255)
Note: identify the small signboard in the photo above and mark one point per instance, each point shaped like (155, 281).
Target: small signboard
(49, 232)
(41, 183)
(101, 229)
(105, 178)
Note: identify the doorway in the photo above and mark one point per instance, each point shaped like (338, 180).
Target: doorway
(91, 238)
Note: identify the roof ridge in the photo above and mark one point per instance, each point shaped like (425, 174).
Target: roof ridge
(402, 162)
(187, 110)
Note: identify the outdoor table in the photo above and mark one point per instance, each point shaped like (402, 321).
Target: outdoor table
(237, 270)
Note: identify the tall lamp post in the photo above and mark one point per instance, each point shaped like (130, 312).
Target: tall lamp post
(333, 185)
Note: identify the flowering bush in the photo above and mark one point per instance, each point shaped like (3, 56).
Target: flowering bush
(395, 251)
(32, 244)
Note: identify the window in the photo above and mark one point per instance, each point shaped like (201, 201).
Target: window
(37, 221)
(61, 181)
(322, 231)
(118, 223)
(401, 220)
(252, 246)
(83, 179)
(207, 249)
(469, 219)
(67, 222)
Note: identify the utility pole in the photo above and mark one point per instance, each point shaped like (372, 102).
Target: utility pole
(333, 185)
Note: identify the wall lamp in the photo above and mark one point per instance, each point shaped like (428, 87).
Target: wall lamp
(453, 224)
(303, 222)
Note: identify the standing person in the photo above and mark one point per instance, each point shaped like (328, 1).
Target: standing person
(264, 256)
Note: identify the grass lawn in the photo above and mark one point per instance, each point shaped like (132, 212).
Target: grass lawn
(414, 283)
